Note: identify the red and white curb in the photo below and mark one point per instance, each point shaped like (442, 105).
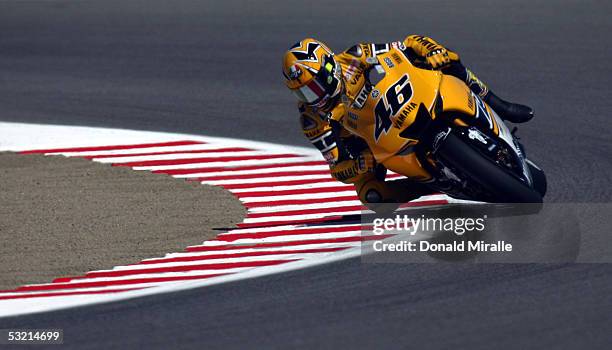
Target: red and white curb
(293, 219)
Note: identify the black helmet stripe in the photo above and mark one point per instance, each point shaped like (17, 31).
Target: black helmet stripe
(309, 54)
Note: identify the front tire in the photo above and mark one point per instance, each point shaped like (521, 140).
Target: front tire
(503, 187)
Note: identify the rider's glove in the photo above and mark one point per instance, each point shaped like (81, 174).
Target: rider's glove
(438, 58)
(350, 170)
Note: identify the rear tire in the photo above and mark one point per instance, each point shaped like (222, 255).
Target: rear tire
(503, 187)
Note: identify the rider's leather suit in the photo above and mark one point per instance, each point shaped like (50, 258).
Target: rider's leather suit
(348, 157)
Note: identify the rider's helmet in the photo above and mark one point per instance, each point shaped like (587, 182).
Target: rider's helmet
(312, 73)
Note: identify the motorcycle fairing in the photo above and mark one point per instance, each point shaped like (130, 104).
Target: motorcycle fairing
(407, 94)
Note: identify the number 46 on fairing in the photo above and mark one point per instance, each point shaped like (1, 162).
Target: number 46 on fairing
(396, 96)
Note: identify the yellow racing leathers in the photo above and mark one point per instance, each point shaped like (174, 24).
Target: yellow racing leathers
(351, 162)
(348, 156)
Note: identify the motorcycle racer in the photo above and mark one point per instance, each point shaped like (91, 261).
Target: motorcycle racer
(325, 84)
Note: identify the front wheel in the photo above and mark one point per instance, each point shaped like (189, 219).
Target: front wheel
(503, 187)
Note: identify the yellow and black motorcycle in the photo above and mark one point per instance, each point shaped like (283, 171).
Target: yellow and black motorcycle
(432, 128)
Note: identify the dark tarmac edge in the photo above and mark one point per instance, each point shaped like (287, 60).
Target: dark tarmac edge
(65, 216)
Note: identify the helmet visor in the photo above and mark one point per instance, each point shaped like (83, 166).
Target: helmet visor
(324, 85)
(310, 93)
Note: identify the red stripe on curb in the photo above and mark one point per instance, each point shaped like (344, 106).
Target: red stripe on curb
(55, 286)
(284, 244)
(204, 160)
(229, 237)
(244, 167)
(256, 176)
(116, 147)
(237, 255)
(277, 183)
(308, 211)
(219, 266)
(219, 150)
(272, 192)
(300, 201)
(322, 220)
(323, 211)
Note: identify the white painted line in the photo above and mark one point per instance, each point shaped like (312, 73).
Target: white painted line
(179, 156)
(278, 179)
(284, 168)
(272, 199)
(271, 189)
(146, 275)
(198, 147)
(229, 164)
(290, 227)
(280, 208)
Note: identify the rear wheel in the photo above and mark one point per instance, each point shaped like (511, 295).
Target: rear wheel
(503, 187)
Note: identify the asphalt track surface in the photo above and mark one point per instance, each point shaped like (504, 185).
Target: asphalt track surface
(214, 69)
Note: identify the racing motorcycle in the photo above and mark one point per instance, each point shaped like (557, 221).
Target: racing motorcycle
(432, 128)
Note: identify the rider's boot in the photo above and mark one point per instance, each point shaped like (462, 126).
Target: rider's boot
(385, 196)
(512, 112)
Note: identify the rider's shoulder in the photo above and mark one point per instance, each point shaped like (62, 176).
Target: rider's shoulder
(361, 50)
(355, 50)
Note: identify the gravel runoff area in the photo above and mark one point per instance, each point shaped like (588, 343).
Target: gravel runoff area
(66, 216)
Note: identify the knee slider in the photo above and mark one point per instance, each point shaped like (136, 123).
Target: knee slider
(373, 196)
(375, 201)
